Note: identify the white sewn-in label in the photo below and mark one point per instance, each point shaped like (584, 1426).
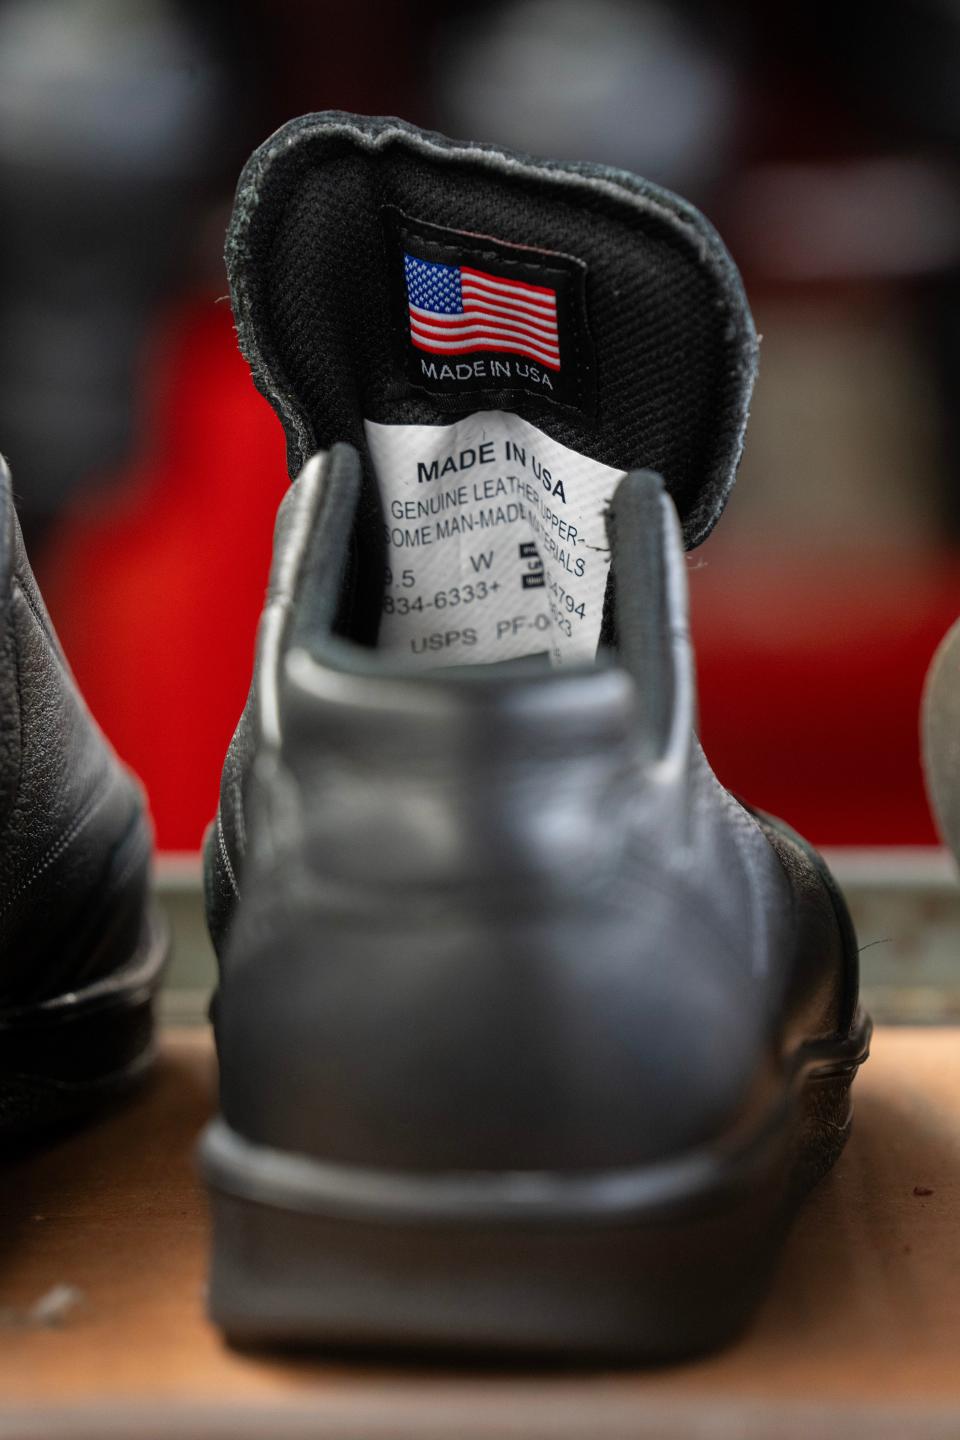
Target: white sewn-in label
(496, 541)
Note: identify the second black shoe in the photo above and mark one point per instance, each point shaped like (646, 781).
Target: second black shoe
(531, 1036)
(81, 951)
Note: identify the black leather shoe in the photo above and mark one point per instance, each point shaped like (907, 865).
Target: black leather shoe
(80, 955)
(940, 726)
(531, 1036)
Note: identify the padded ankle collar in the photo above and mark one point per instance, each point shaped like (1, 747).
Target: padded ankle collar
(657, 347)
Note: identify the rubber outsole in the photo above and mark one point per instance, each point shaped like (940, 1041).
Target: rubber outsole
(650, 1264)
(64, 1058)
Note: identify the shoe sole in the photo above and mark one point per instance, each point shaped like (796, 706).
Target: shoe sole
(64, 1058)
(654, 1263)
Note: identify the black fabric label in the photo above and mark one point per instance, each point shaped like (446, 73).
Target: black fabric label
(481, 320)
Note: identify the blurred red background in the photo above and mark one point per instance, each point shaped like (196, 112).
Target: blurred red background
(822, 140)
(810, 670)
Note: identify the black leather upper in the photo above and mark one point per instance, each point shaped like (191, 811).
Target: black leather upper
(495, 917)
(74, 837)
(501, 919)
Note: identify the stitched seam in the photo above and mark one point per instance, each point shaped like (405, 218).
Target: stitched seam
(50, 641)
(224, 856)
(55, 851)
(15, 789)
(239, 816)
(137, 839)
(24, 591)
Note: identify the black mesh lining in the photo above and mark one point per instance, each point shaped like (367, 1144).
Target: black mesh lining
(310, 276)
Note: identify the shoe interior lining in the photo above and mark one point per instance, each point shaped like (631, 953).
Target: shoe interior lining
(313, 267)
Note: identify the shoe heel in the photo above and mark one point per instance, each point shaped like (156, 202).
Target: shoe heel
(661, 1288)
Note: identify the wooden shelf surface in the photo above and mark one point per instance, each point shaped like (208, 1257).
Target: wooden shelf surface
(103, 1239)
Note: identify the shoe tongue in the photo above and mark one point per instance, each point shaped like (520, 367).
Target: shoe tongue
(467, 317)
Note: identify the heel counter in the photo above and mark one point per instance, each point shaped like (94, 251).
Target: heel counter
(453, 951)
(586, 1038)
(470, 784)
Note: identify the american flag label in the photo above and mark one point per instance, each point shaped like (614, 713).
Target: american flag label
(481, 317)
(457, 310)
